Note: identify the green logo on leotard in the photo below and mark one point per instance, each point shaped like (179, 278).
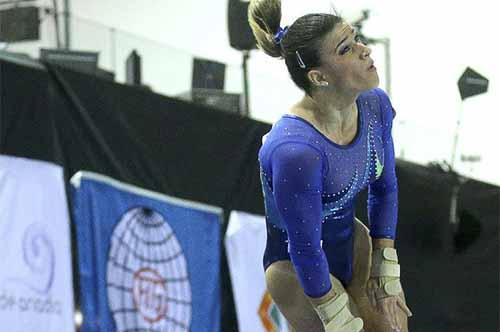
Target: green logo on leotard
(379, 168)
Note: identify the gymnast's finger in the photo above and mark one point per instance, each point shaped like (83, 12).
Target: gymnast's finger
(389, 312)
(395, 313)
(404, 307)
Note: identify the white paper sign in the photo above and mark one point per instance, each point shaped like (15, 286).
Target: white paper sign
(36, 291)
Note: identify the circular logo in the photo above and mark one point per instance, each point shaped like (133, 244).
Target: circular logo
(150, 295)
(147, 279)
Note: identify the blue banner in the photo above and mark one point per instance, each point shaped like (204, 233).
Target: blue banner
(147, 261)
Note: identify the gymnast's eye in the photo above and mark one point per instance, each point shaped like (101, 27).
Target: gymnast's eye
(344, 50)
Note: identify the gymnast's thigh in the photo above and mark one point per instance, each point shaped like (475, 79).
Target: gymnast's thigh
(286, 291)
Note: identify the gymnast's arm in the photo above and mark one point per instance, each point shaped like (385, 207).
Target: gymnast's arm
(297, 171)
(384, 288)
(383, 193)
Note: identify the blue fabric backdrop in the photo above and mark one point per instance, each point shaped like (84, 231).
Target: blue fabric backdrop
(127, 235)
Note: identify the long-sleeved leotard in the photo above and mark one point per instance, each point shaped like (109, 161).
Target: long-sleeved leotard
(310, 184)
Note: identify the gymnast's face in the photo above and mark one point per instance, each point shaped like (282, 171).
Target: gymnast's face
(346, 62)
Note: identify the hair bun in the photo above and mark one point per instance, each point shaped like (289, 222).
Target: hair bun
(264, 17)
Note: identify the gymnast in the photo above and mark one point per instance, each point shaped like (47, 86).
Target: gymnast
(324, 269)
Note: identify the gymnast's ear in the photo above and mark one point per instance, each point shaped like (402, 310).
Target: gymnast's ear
(317, 78)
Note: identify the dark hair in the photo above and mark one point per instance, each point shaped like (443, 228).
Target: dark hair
(300, 45)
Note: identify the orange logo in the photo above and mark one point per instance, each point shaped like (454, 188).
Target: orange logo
(269, 314)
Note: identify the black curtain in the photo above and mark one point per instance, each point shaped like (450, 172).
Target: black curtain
(450, 272)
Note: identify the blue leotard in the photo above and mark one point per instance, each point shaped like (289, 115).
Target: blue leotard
(310, 184)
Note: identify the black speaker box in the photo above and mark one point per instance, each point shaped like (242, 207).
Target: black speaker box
(133, 66)
(240, 33)
(85, 62)
(19, 24)
(208, 74)
(229, 102)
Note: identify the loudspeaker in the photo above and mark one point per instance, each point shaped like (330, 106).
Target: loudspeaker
(85, 62)
(240, 33)
(229, 102)
(133, 69)
(208, 74)
(19, 24)
(472, 83)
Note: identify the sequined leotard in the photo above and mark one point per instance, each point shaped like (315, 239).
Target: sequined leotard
(310, 184)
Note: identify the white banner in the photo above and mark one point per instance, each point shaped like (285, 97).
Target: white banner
(36, 291)
(245, 243)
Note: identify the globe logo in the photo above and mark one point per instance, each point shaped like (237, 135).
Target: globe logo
(150, 295)
(147, 279)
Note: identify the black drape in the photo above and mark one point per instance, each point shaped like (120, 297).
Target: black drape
(450, 273)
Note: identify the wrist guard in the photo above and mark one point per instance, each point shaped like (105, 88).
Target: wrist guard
(385, 267)
(336, 316)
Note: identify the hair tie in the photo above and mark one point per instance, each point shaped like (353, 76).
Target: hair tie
(278, 37)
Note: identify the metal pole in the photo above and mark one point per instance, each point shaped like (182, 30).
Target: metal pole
(246, 108)
(112, 34)
(457, 132)
(56, 23)
(453, 204)
(67, 27)
(388, 73)
(13, 2)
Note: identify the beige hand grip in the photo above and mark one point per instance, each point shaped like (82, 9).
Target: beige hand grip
(337, 317)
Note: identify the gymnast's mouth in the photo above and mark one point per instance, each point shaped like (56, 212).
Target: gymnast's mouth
(372, 66)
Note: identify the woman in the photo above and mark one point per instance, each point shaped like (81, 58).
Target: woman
(324, 269)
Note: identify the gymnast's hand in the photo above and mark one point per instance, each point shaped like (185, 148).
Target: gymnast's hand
(384, 288)
(388, 305)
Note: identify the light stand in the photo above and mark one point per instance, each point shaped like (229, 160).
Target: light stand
(56, 23)
(470, 84)
(67, 22)
(246, 94)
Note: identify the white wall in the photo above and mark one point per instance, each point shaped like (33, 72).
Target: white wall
(432, 44)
